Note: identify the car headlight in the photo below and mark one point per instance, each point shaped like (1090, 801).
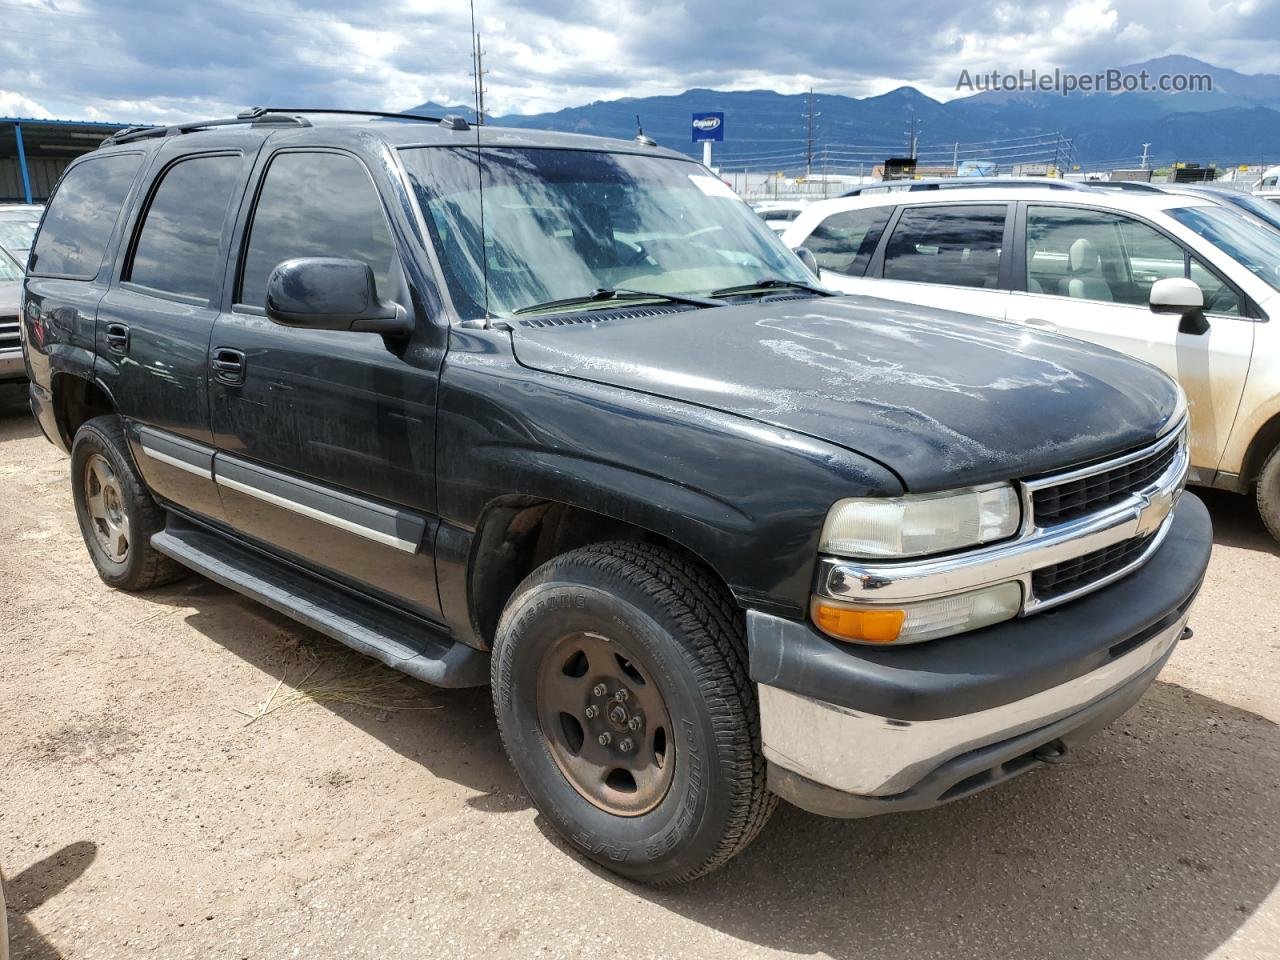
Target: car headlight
(918, 525)
(917, 620)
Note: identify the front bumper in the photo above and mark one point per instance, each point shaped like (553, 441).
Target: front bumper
(12, 367)
(855, 731)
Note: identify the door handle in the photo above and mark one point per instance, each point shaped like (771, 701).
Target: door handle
(1041, 324)
(118, 337)
(228, 365)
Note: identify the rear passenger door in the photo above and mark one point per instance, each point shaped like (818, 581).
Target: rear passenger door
(154, 323)
(326, 438)
(953, 256)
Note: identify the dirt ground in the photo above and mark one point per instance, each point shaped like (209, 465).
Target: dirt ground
(163, 792)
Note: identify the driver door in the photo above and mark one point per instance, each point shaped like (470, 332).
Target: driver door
(1088, 273)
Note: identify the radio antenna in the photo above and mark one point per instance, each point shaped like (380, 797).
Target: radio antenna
(479, 95)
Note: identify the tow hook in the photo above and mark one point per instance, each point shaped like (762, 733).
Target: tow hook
(1055, 751)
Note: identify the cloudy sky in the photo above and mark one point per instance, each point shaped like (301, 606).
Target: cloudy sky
(140, 60)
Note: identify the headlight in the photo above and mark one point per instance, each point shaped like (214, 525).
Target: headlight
(921, 524)
(917, 621)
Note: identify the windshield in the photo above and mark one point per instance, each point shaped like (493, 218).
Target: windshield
(559, 224)
(1268, 213)
(1253, 246)
(16, 235)
(9, 269)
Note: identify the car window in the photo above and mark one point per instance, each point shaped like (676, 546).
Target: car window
(844, 242)
(955, 245)
(316, 205)
(81, 216)
(1245, 240)
(177, 247)
(1096, 255)
(1219, 297)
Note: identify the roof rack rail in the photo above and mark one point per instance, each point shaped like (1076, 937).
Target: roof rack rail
(130, 134)
(254, 115)
(260, 111)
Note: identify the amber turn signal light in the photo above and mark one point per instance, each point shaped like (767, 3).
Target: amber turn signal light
(860, 626)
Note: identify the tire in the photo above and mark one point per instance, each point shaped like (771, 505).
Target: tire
(651, 622)
(1268, 493)
(105, 481)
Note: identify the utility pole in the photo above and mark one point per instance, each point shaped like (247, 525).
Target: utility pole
(808, 150)
(955, 159)
(913, 134)
(1146, 153)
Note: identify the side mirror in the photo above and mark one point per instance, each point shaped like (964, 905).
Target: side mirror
(808, 259)
(1183, 297)
(325, 293)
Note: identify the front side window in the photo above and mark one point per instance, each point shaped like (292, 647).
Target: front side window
(844, 242)
(558, 224)
(1097, 255)
(954, 245)
(81, 215)
(177, 247)
(317, 205)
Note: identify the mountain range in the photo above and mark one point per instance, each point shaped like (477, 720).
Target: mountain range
(1237, 122)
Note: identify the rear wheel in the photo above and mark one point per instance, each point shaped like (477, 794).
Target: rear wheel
(620, 684)
(117, 515)
(1268, 493)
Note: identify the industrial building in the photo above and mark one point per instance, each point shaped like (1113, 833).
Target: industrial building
(33, 153)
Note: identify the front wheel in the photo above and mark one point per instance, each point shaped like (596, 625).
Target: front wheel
(620, 684)
(1268, 493)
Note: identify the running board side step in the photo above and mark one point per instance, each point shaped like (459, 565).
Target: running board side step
(399, 641)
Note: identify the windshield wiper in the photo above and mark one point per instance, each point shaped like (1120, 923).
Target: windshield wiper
(771, 283)
(605, 295)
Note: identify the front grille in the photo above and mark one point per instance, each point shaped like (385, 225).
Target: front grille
(1061, 578)
(1077, 498)
(9, 338)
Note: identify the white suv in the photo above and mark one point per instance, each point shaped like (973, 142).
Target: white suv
(1183, 282)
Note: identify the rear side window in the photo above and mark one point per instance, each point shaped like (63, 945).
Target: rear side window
(844, 242)
(316, 205)
(177, 248)
(81, 216)
(955, 245)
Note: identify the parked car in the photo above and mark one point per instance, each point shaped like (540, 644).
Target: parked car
(1268, 213)
(12, 369)
(958, 183)
(778, 214)
(561, 414)
(18, 222)
(1268, 187)
(1180, 281)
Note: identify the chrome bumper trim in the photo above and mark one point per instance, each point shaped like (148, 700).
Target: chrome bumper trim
(11, 363)
(1144, 512)
(864, 754)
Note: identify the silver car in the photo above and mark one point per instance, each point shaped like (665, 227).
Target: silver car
(12, 369)
(18, 223)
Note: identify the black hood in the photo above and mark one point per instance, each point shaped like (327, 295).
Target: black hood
(943, 399)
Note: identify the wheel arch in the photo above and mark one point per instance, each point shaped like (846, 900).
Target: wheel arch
(519, 533)
(77, 399)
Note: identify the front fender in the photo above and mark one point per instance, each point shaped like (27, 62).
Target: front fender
(748, 498)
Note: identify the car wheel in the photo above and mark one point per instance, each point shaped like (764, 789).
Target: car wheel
(1268, 493)
(621, 688)
(117, 515)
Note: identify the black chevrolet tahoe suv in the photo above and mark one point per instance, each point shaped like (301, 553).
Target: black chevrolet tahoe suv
(559, 414)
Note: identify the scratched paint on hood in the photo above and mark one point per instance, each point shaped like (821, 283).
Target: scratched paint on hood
(943, 399)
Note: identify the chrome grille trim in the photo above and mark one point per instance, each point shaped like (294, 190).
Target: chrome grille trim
(1146, 512)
